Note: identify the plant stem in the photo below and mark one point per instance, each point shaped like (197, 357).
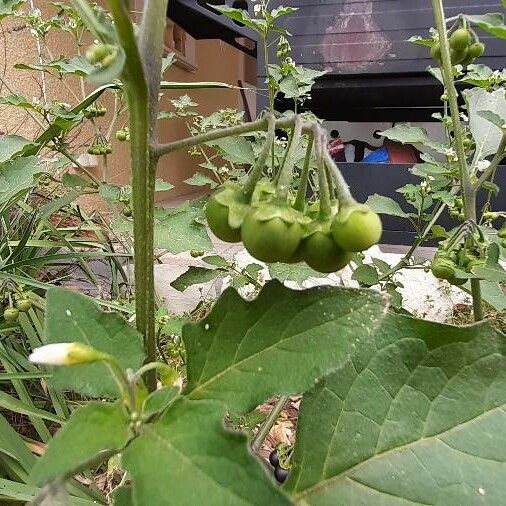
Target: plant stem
(266, 427)
(498, 157)
(286, 171)
(151, 47)
(300, 199)
(341, 186)
(468, 189)
(258, 167)
(143, 182)
(323, 187)
(220, 133)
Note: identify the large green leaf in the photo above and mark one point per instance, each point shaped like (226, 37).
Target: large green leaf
(486, 134)
(195, 276)
(73, 317)
(386, 205)
(416, 416)
(235, 150)
(176, 230)
(17, 176)
(92, 432)
(282, 342)
(188, 458)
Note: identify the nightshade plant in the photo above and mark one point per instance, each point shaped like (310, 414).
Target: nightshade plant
(395, 410)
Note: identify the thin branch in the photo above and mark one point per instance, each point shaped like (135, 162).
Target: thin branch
(498, 158)
(220, 133)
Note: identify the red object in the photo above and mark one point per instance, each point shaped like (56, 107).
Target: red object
(336, 150)
(400, 153)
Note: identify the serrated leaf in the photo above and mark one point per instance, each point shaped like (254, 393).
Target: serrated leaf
(381, 265)
(176, 230)
(73, 317)
(485, 133)
(386, 205)
(253, 270)
(162, 186)
(190, 447)
(17, 101)
(199, 179)
(420, 41)
(93, 431)
(282, 342)
(216, 260)
(366, 275)
(195, 276)
(109, 192)
(74, 181)
(293, 272)
(429, 170)
(416, 416)
(242, 16)
(479, 75)
(236, 150)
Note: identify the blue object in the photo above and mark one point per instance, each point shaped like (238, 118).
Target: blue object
(381, 155)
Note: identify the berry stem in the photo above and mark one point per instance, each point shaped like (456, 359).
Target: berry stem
(286, 171)
(304, 177)
(323, 186)
(269, 422)
(256, 171)
(341, 186)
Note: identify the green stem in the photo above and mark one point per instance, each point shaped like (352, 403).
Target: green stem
(498, 157)
(468, 189)
(323, 187)
(266, 427)
(82, 169)
(258, 167)
(286, 171)
(300, 199)
(143, 182)
(341, 186)
(403, 262)
(151, 47)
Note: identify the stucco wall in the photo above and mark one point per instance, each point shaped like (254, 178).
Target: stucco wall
(215, 61)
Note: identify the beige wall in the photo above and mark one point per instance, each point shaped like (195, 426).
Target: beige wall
(214, 61)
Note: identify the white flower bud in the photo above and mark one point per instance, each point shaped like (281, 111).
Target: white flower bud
(65, 354)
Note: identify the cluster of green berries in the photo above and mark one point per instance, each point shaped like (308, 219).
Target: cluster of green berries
(464, 49)
(95, 111)
(273, 231)
(22, 305)
(123, 135)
